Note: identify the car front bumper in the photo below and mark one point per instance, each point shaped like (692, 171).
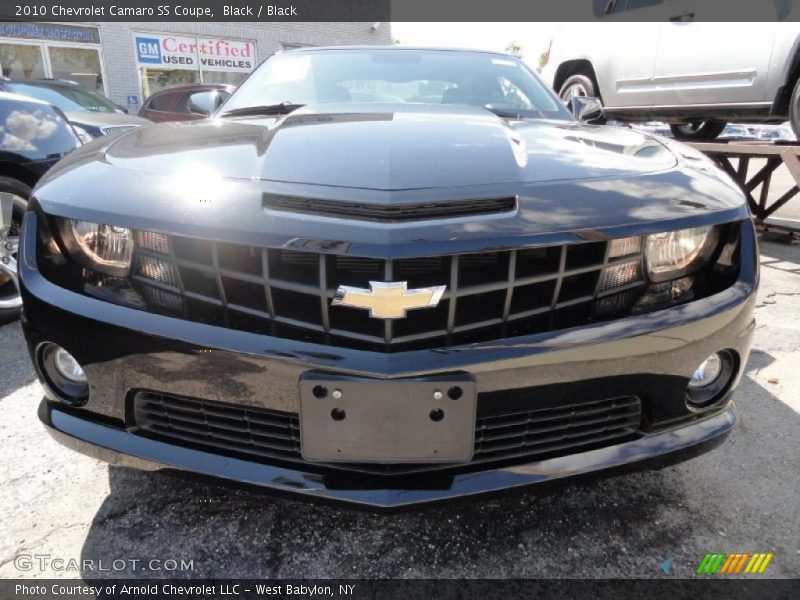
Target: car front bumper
(120, 448)
(649, 356)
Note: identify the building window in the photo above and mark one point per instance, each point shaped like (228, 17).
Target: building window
(234, 78)
(81, 65)
(155, 80)
(30, 50)
(22, 61)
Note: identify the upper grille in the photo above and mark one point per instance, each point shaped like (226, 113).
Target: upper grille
(288, 293)
(390, 213)
(501, 438)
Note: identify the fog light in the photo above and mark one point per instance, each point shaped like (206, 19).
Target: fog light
(63, 375)
(711, 380)
(707, 373)
(67, 366)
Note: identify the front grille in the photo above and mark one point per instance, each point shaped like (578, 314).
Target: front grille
(288, 293)
(268, 435)
(390, 213)
(117, 128)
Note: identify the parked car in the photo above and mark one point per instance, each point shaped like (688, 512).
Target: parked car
(172, 104)
(696, 76)
(91, 114)
(783, 133)
(33, 137)
(737, 132)
(389, 303)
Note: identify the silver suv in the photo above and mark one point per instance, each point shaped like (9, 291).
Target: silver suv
(694, 76)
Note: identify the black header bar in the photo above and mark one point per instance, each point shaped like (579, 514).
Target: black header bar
(399, 589)
(400, 10)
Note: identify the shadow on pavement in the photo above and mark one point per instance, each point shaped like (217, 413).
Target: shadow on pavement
(783, 257)
(231, 532)
(16, 370)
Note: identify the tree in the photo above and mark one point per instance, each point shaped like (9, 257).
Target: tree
(542, 60)
(514, 48)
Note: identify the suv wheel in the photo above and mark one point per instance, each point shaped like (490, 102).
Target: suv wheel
(578, 85)
(13, 201)
(698, 130)
(794, 109)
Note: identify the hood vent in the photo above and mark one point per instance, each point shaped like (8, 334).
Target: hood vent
(111, 129)
(390, 213)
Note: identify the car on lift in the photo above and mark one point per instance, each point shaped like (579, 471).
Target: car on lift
(696, 76)
(90, 114)
(33, 137)
(461, 290)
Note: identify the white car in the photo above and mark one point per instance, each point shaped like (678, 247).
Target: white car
(696, 76)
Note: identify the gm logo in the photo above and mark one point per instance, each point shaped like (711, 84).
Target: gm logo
(148, 50)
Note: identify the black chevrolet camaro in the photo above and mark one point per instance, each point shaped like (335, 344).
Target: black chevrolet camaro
(388, 276)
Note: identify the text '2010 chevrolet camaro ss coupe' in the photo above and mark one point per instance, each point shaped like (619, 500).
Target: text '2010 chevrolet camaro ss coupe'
(388, 276)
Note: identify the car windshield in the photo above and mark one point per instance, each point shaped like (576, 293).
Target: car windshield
(68, 99)
(497, 82)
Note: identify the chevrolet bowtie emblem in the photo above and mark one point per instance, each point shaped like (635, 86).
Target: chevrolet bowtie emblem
(388, 300)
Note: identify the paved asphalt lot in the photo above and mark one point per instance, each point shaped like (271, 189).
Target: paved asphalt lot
(741, 497)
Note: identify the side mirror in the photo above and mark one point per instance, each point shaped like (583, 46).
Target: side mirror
(205, 103)
(586, 108)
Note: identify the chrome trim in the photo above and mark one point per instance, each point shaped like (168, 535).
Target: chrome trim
(688, 106)
(9, 246)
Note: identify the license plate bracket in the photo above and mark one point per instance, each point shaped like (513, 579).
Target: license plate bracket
(387, 421)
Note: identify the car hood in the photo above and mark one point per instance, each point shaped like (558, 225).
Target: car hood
(213, 179)
(392, 148)
(99, 119)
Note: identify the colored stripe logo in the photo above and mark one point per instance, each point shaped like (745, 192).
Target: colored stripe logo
(735, 563)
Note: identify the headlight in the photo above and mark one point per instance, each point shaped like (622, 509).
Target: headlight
(677, 253)
(104, 248)
(84, 136)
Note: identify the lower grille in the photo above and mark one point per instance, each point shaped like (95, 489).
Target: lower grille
(268, 435)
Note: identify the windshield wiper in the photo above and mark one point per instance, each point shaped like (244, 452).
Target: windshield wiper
(283, 108)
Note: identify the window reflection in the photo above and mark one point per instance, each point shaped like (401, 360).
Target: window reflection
(21, 61)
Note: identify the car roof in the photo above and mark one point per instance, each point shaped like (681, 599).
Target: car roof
(22, 98)
(66, 83)
(401, 49)
(193, 86)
